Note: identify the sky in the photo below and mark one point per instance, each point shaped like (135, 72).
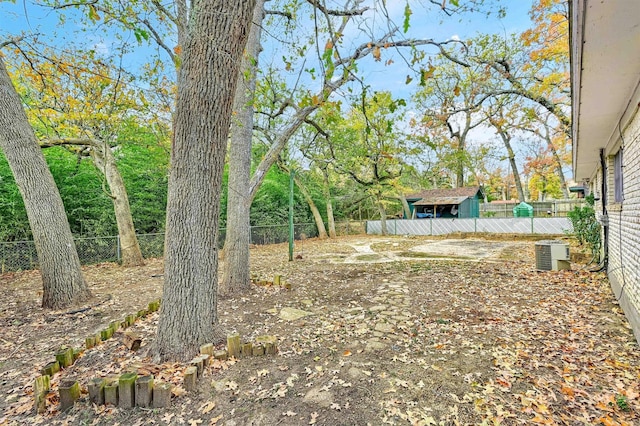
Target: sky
(426, 22)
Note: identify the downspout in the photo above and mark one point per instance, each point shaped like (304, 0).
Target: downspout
(605, 216)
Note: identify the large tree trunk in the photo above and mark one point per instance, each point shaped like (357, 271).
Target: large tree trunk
(326, 189)
(105, 162)
(129, 247)
(405, 206)
(317, 217)
(514, 166)
(235, 270)
(217, 33)
(558, 166)
(460, 165)
(506, 140)
(62, 279)
(383, 215)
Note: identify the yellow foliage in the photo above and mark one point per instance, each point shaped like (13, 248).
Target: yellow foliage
(376, 53)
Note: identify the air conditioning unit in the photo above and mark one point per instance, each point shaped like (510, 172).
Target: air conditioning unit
(552, 255)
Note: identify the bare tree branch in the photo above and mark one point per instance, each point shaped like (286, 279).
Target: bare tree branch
(173, 18)
(336, 12)
(277, 12)
(14, 41)
(159, 40)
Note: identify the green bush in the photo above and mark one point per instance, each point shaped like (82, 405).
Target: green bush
(586, 227)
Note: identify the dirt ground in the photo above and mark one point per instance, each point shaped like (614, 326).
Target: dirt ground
(418, 330)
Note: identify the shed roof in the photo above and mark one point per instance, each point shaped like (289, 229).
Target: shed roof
(432, 201)
(465, 192)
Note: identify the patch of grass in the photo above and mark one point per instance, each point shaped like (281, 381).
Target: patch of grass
(622, 402)
(423, 255)
(367, 257)
(416, 254)
(419, 266)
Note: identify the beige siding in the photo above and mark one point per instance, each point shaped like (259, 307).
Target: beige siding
(624, 227)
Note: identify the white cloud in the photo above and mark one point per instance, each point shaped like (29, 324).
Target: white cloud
(101, 48)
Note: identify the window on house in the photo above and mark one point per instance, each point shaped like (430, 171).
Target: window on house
(617, 177)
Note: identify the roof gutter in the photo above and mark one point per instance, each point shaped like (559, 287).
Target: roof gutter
(577, 12)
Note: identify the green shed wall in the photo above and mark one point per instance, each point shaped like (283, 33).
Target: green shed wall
(469, 208)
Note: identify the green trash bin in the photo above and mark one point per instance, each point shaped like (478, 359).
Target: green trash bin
(523, 210)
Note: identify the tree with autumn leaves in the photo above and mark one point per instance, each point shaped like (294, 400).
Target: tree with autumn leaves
(79, 101)
(295, 109)
(527, 71)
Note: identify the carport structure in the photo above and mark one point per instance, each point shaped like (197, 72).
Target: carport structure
(446, 203)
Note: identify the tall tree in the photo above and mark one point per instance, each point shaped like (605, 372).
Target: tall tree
(556, 140)
(81, 101)
(502, 116)
(317, 217)
(62, 279)
(336, 63)
(212, 51)
(235, 271)
(543, 182)
(369, 148)
(326, 191)
(449, 100)
(313, 146)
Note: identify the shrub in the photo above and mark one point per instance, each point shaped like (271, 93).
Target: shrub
(586, 227)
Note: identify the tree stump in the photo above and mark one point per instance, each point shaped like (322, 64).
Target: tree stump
(207, 349)
(142, 313)
(130, 319)
(65, 357)
(277, 280)
(126, 390)
(106, 334)
(154, 306)
(132, 340)
(270, 344)
(162, 395)
(221, 355)
(258, 350)
(111, 391)
(206, 360)
(233, 345)
(114, 326)
(51, 369)
(190, 376)
(90, 342)
(96, 390)
(41, 388)
(69, 394)
(199, 364)
(144, 391)
(246, 350)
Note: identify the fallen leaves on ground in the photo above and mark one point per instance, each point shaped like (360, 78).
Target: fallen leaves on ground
(402, 341)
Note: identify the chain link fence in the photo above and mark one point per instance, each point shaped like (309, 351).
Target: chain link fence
(21, 255)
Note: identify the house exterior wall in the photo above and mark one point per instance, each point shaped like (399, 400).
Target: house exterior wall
(623, 220)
